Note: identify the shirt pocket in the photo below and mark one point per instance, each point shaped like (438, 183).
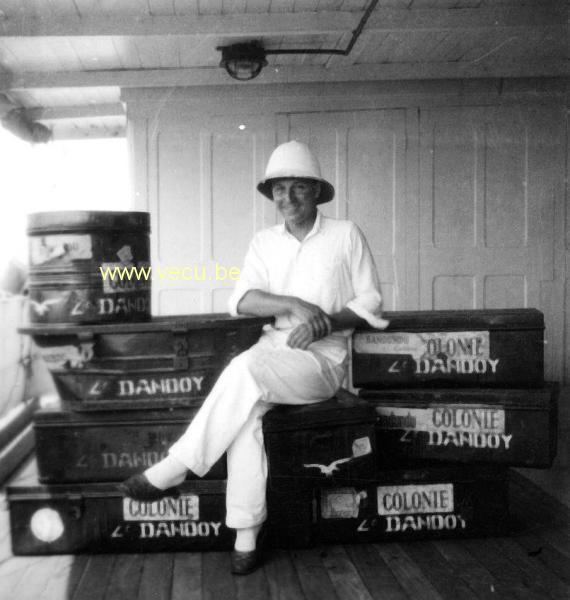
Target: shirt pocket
(322, 283)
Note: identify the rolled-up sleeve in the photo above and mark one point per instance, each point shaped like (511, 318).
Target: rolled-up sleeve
(367, 301)
(253, 276)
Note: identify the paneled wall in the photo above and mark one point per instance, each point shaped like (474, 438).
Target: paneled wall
(197, 177)
(364, 154)
(459, 188)
(487, 205)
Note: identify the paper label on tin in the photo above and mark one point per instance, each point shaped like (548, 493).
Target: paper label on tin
(341, 503)
(60, 248)
(446, 344)
(470, 418)
(183, 508)
(361, 447)
(415, 499)
(125, 254)
(67, 357)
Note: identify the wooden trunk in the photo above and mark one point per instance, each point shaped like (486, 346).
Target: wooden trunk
(452, 347)
(97, 447)
(169, 361)
(94, 517)
(329, 442)
(407, 504)
(514, 427)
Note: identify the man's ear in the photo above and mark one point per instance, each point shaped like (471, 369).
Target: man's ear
(317, 189)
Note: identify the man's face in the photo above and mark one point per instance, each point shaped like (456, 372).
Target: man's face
(296, 199)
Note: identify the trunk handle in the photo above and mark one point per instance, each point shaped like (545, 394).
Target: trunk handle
(178, 363)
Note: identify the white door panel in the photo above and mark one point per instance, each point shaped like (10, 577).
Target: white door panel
(484, 218)
(202, 177)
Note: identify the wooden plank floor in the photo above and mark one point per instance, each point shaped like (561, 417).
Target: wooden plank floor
(533, 562)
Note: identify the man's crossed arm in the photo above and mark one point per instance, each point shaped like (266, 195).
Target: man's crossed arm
(315, 322)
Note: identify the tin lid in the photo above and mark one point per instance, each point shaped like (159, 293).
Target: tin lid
(326, 414)
(175, 324)
(74, 276)
(476, 319)
(57, 418)
(541, 398)
(86, 220)
(421, 472)
(75, 492)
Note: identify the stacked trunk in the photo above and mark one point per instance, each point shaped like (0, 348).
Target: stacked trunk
(450, 400)
(128, 384)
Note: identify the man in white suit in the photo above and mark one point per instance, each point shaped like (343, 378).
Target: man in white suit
(316, 276)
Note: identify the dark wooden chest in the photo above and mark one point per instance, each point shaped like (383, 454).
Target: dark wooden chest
(168, 361)
(328, 443)
(104, 446)
(94, 517)
(516, 427)
(428, 503)
(452, 347)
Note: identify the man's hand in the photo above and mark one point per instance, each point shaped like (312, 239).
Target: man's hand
(314, 322)
(315, 325)
(302, 336)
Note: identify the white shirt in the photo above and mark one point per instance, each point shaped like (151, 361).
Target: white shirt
(331, 267)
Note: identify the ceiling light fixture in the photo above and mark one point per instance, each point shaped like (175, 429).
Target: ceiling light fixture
(244, 61)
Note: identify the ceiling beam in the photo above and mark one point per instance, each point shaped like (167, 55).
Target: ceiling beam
(55, 113)
(486, 17)
(229, 25)
(150, 78)
(301, 23)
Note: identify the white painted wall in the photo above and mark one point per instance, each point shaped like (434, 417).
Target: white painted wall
(459, 186)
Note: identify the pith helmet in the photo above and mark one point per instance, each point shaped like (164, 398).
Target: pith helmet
(294, 159)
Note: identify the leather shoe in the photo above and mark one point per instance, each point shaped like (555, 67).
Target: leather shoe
(140, 488)
(245, 562)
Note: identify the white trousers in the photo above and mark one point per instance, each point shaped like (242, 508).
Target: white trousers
(230, 419)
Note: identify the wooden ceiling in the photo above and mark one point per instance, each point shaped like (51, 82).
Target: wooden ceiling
(65, 61)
